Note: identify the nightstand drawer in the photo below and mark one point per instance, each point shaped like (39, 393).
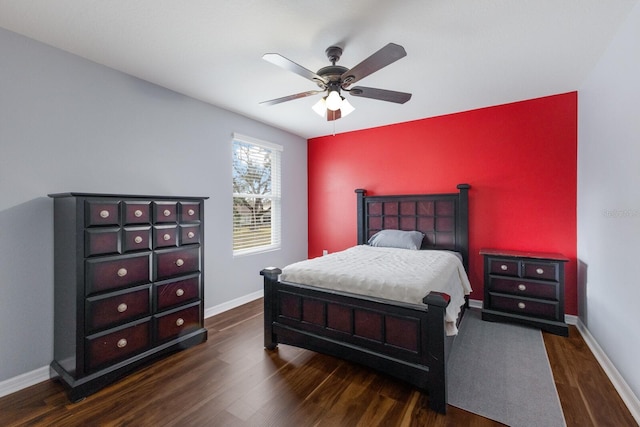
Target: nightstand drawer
(504, 267)
(541, 270)
(524, 306)
(524, 288)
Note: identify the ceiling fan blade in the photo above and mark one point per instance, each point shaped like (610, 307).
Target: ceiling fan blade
(381, 94)
(385, 56)
(333, 115)
(289, 65)
(291, 97)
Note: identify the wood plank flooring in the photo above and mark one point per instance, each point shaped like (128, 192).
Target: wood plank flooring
(232, 381)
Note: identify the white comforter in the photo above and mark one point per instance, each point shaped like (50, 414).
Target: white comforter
(395, 274)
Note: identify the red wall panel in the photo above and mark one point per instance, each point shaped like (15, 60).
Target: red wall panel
(519, 158)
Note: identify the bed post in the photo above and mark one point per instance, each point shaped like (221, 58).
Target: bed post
(362, 221)
(463, 223)
(270, 305)
(437, 303)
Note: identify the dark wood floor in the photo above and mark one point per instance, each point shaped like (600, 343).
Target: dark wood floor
(232, 381)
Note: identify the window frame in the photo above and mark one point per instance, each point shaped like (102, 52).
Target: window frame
(275, 195)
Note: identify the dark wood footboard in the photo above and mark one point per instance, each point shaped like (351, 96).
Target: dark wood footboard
(405, 341)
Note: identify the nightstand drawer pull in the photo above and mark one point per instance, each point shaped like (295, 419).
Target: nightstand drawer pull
(539, 270)
(104, 213)
(166, 212)
(179, 292)
(179, 321)
(137, 213)
(191, 212)
(138, 239)
(522, 305)
(179, 262)
(504, 267)
(167, 236)
(122, 308)
(522, 287)
(122, 272)
(122, 343)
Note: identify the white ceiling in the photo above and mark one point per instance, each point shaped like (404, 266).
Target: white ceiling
(461, 54)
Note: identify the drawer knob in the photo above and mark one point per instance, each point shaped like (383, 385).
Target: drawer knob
(539, 270)
(191, 234)
(122, 308)
(191, 212)
(521, 305)
(137, 213)
(166, 212)
(122, 343)
(522, 287)
(138, 239)
(104, 213)
(122, 272)
(180, 292)
(179, 321)
(179, 262)
(167, 236)
(504, 267)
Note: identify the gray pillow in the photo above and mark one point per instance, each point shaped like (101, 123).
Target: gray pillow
(397, 239)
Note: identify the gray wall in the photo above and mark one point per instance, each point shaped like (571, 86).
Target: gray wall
(609, 201)
(67, 124)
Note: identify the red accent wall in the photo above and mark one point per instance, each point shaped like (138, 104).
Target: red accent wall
(520, 159)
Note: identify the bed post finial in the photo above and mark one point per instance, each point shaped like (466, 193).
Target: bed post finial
(362, 223)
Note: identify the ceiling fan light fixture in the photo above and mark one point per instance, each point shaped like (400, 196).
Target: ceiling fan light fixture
(334, 100)
(346, 107)
(320, 107)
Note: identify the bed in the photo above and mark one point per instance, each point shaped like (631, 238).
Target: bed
(405, 339)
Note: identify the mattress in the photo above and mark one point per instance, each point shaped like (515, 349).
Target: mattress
(390, 273)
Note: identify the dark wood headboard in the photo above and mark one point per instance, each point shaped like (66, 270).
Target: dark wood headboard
(443, 218)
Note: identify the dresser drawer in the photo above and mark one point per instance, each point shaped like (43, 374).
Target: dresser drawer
(189, 234)
(165, 212)
(109, 311)
(165, 236)
(189, 211)
(176, 323)
(524, 306)
(541, 270)
(504, 267)
(114, 346)
(170, 263)
(101, 241)
(116, 272)
(524, 288)
(137, 212)
(102, 213)
(172, 294)
(137, 239)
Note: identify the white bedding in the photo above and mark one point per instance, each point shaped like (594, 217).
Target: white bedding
(395, 274)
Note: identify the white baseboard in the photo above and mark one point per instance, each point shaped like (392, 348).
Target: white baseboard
(621, 386)
(226, 306)
(23, 381)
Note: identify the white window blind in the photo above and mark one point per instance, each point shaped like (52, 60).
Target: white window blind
(256, 195)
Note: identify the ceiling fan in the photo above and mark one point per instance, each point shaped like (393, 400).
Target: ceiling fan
(334, 79)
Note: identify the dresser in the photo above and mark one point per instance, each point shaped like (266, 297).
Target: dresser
(128, 284)
(525, 287)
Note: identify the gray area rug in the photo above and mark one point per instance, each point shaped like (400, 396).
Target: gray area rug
(501, 371)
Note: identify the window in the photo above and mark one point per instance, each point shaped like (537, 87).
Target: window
(256, 195)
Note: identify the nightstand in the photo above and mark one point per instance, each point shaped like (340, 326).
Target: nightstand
(526, 288)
